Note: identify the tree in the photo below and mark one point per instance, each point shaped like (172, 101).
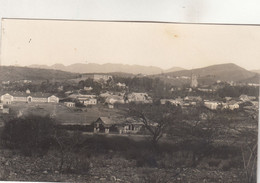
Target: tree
(32, 134)
(156, 118)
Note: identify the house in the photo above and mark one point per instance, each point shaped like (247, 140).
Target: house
(5, 110)
(90, 101)
(28, 97)
(117, 125)
(205, 89)
(121, 85)
(245, 98)
(5, 82)
(193, 98)
(228, 98)
(103, 124)
(130, 126)
(112, 99)
(68, 93)
(110, 106)
(139, 98)
(176, 102)
(213, 105)
(232, 105)
(85, 99)
(60, 88)
(88, 88)
(1, 106)
(255, 103)
(52, 99)
(105, 95)
(253, 84)
(69, 104)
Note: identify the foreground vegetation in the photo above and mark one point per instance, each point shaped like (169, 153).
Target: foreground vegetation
(36, 149)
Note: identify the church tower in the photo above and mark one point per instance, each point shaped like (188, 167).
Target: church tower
(194, 81)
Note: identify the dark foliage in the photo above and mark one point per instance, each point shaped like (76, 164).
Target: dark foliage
(32, 134)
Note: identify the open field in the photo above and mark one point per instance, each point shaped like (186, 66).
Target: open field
(64, 114)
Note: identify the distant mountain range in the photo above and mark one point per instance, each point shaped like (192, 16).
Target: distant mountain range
(14, 73)
(223, 72)
(108, 68)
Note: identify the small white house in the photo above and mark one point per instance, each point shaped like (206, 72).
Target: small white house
(121, 85)
(213, 105)
(86, 88)
(70, 104)
(90, 101)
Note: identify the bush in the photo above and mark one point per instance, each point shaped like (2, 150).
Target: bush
(32, 134)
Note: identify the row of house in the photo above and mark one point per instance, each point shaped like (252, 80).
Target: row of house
(231, 103)
(122, 98)
(213, 105)
(186, 101)
(28, 97)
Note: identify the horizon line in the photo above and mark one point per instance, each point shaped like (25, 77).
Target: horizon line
(17, 65)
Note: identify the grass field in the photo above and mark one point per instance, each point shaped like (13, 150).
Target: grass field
(64, 114)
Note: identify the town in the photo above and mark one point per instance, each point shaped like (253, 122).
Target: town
(147, 119)
(98, 99)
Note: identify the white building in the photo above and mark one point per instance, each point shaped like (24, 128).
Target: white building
(28, 97)
(121, 85)
(90, 101)
(86, 88)
(69, 104)
(213, 105)
(176, 102)
(139, 98)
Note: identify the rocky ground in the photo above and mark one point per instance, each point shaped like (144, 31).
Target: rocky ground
(15, 167)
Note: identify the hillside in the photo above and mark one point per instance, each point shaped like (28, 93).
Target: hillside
(173, 69)
(13, 73)
(223, 72)
(254, 79)
(108, 68)
(256, 71)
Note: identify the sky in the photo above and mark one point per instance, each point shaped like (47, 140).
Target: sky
(164, 45)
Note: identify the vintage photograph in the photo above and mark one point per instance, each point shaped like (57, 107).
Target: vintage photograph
(129, 102)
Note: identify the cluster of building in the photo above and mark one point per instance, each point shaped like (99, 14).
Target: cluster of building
(229, 103)
(84, 99)
(28, 97)
(183, 102)
(110, 98)
(122, 98)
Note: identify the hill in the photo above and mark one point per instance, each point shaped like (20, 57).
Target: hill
(223, 72)
(173, 69)
(107, 68)
(254, 79)
(256, 71)
(14, 73)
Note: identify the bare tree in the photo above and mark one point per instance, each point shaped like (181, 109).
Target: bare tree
(156, 118)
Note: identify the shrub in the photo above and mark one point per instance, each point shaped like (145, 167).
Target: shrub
(32, 134)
